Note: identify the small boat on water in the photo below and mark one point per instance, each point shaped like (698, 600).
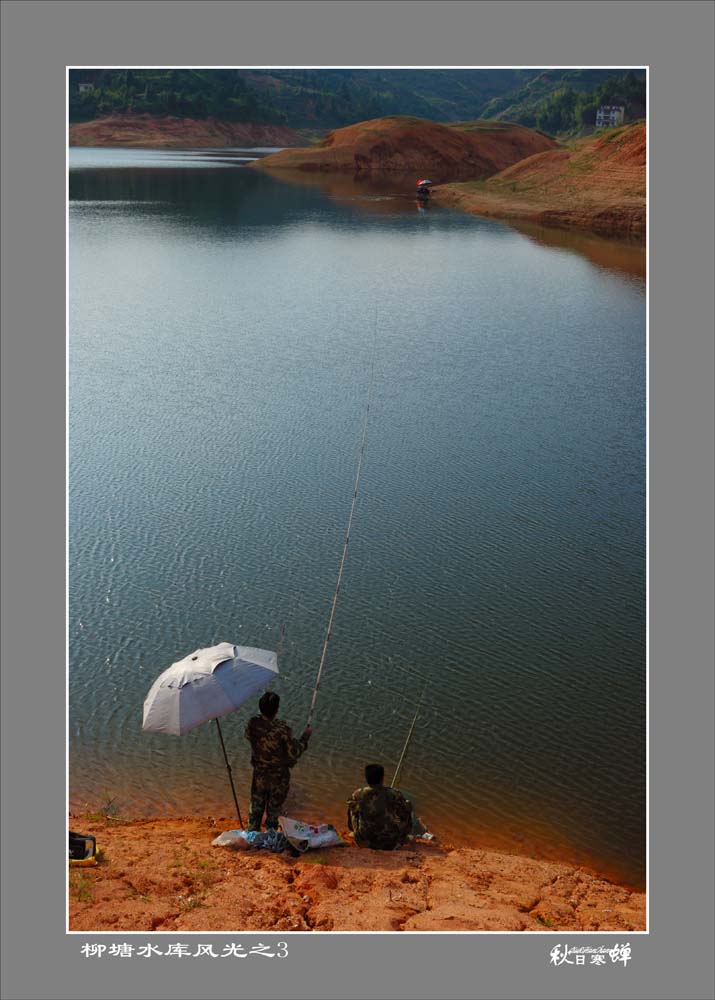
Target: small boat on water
(424, 189)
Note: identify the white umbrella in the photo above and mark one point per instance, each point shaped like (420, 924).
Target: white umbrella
(207, 684)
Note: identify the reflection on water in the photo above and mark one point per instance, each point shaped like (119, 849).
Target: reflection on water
(388, 194)
(221, 331)
(615, 255)
(90, 159)
(378, 194)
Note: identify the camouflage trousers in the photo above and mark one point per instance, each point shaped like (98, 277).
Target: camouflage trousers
(268, 793)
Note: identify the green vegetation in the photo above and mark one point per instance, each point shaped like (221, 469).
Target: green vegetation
(564, 102)
(189, 903)
(108, 811)
(332, 98)
(480, 126)
(323, 99)
(81, 887)
(183, 92)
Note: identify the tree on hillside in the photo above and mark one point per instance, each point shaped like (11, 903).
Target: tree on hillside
(558, 113)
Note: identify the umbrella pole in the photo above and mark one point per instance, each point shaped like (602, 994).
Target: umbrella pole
(228, 768)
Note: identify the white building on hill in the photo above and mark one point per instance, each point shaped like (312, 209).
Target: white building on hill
(609, 115)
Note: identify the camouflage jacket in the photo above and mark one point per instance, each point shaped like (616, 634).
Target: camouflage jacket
(379, 817)
(272, 743)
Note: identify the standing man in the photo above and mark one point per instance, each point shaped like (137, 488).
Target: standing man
(274, 752)
(379, 817)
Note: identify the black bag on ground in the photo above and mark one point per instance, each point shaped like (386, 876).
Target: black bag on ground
(81, 847)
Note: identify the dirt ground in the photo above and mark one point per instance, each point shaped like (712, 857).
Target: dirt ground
(165, 132)
(164, 875)
(412, 145)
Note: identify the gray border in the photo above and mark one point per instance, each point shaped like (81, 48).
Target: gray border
(39, 40)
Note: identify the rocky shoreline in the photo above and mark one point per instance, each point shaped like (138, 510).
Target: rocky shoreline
(596, 184)
(626, 222)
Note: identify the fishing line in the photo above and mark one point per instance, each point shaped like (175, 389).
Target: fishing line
(329, 630)
(284, 627)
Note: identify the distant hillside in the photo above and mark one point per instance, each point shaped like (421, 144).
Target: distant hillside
(186, 93)
(565, 101)
(407, 144)
(335, 97)
(322, 99)
(596, 183)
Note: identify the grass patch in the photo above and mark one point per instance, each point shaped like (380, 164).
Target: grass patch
(544, 922)
(479, 126)
(108, 811)
(311, 137)
(81, 887)
(468, 185)
(609, 136)
(190, 903)
(580, 164)
(206, 878)
(406, 119)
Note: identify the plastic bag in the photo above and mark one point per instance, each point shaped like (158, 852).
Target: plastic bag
(238, 839)
(308, 836)
(419, 830)
(241, 840)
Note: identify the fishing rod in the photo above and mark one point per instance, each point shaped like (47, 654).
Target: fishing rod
(329, 630)
(407, 743)
(284, 628)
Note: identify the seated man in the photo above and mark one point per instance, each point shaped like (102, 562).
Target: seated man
(379, 817)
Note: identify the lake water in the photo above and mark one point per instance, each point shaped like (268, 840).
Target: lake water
(221, 335)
